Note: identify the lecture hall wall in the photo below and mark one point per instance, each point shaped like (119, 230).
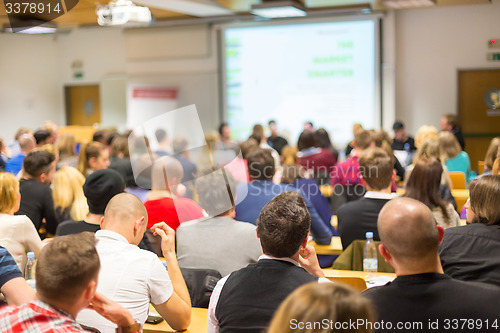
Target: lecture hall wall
(424, 48)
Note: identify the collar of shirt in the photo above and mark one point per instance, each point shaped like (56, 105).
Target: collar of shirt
(265, 256)
(111, 235)
(47, 309)
(380, 195)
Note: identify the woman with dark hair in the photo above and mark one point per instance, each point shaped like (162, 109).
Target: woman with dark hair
(318, 160)
(423, 186)
(323, 140)
(471, 252)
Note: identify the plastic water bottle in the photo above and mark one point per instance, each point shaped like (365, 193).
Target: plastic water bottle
(29, 273)
(370, 254)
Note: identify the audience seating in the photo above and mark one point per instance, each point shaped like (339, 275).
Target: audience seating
(457, 180)
(357, 283)
(335, 247)
(480, 167)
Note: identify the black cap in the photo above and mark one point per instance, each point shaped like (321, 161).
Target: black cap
(100, 187)
(397, 126)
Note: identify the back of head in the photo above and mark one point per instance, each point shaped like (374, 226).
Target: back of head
(215, 190)
(323, 139)
(362, 139)
(485, 199)
(21, 131)
(449, 146)
(221, 128)
(258, 129)
(424, 182)
(398, 125)
(87, 151)
(376, 168)
(491, 153)
(100, 187)
(65, 267)
(246, 147)
(26, 142)
(428, 148)
(283, 224)
(67, 144)
(38, 162)
(260, 165)
(68, 192)
(166, 173)
(41, 137)
(99, 136)
(425, 132)
(314, 303)
(408, 230)
(122, 211)
(179, 145)
(307, 139)
(293, 172)
(160, 135)
(9, 188)
(119, 145)
(289, 155)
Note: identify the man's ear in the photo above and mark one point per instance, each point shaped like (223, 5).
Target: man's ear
(441, 233)
(257, 232)
(89, 291)
(102, 221)
(393, 176)
(42, 178)
(138, 225)
(363, 181)
(384, 253)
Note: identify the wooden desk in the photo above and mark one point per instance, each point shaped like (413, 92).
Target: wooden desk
(335, 247)
(341, 273)
(198, 323)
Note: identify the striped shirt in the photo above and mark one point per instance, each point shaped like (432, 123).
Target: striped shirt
(8, 267)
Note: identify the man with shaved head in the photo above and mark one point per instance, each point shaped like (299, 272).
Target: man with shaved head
(133, 277)
(422, 298)
(163, 204)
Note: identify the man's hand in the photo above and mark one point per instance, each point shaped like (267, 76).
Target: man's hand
(167, 235)
(111, 310)
(309, 261)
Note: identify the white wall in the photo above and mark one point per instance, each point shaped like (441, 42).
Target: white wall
(29, 82)
(432, 45)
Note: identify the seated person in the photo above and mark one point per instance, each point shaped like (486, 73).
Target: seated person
(453, 157)
(421, 293)
(472, 252)
(356, 218)
(319, 161)
(14, 288)
(401, 140)
(218, 241)
(252, 197)
(99, 188)
(26, 144)
(246, 300)
(66, 280)
(133, 277)
(346, 180)
(423, 186)
(36, 195)
(162, 204)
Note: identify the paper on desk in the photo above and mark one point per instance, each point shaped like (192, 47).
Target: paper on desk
(378, 281)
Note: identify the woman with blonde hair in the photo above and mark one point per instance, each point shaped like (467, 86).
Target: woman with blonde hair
(453, 156)
(426, 132)
(67, 150)
(491, 155)
(69, 201)
(318, 307)
(93, 156)
(17, 233)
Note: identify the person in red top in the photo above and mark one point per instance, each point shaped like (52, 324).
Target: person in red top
(346, 179)
(162, 204)
(319, 160)
(66, 280)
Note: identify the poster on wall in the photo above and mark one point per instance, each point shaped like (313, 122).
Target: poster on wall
(147, 102)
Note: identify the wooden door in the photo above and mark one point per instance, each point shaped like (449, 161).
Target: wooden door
(478, 117)
(83, 105)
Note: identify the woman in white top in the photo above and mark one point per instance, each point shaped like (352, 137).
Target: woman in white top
(423, 186)
(17, 233)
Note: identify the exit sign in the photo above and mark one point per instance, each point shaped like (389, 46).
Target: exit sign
(494, 56)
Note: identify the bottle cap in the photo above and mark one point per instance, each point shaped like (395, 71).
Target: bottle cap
(369, 234)
(31, 255)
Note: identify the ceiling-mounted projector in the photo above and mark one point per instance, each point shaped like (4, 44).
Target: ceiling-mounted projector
(122, 12)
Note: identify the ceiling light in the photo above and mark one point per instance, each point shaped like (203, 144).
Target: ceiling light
(399, 4)
(279, 8)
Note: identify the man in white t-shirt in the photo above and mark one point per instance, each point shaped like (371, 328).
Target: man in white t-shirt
(133, 277)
